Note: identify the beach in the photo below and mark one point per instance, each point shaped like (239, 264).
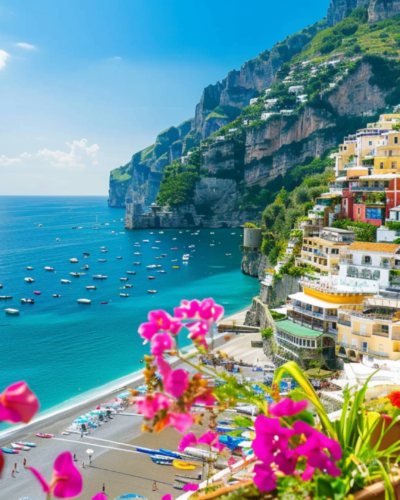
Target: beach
(115, 464)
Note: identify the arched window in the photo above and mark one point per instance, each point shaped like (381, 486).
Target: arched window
(376, 275)
(366, 274)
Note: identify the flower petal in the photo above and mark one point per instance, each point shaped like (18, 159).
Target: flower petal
(188, 440)
(68, 480)
(100, 496)
(287, 408)
(41, 479)
(18, 404)
(181, 421)
(190, 487)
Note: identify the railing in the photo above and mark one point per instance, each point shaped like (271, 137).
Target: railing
(395, 336)
(344, 322)
(320, 254)
(367, 188)
(346, 261)
(333, 331)
(361, 334)
(380, 333)
(364, 350)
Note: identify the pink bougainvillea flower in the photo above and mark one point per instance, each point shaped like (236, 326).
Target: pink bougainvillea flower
(150, 404)
(206, 399)
(181, 421)
(188, 440)
(264, 477)
(175, 381)
(100, 496)
(190, 487)
(206, 310)
(232, 461)
(198, 331)
(161, 342)
(287, 408)
(270, 437)
(66, 481)
(159, 321)
(321, 452)
(18, 404)
(283, 461)
(212, 439)
(167, 497)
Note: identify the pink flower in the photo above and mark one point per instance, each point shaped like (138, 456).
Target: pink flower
(181, 421)
(100, 496)
(161, 342)
(387, 417)
(188, 440)
(264, 477)
(198, 332)
(159, 321)
(175, 381)
(270, 437)
(190, 487)
(287, 408)
(206, 310)
(151, 404)
(167, 497)
(207, 399)
(66, 481)
(212, 439)
(18, 404)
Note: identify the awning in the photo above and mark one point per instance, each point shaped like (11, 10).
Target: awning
(379, 177)
(302, 297)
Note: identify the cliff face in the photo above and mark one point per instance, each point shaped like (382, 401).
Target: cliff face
(378, 10)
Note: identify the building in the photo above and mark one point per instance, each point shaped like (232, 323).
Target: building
(265, 116)
(321, 253)
(370, 333)
(369, 267)
(391, 230)
(253, 101)
(296, 89)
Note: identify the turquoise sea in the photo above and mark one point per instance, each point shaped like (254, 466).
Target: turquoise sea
(67, 351)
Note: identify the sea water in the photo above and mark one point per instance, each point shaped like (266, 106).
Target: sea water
(66, 350)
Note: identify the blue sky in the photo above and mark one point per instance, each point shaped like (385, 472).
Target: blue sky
(84, 84)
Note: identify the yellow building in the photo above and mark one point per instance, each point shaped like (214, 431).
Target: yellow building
(386, 121)
(370, 332)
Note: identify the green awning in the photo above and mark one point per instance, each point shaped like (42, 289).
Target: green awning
(296, 329)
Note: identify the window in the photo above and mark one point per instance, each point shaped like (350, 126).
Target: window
(381, 164)
(396, 140)
(358, 211)
(381, 349)
(344, 339)
(370, 143)
(376, 275)
(366, 259)
(335, 251)
(390, 152)
(394, 164)
(354, 342)
(363, 329)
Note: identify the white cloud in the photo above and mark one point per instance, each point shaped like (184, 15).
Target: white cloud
(3, 58)
(116, 58)
(78, 156)
(26, 46)
(5, 162)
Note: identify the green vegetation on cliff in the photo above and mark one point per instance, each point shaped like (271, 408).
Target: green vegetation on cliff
(178, 185)
(120, 174)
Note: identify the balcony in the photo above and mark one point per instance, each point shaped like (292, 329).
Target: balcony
(344, 322)
(364, 350)
(367, 188)
(380, 333)
(361, 334)
(395, 336)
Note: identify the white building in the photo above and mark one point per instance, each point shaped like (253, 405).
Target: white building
(383, 233)
(286, 111)
(269, 103)
(267, 91)
(265, 116)
(296, 89)
(253, 101)
(233, 130)
(302, 98)
(220, 138)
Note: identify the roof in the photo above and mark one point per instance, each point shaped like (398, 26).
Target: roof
(374, 247)
(302, 297)
(338, 230)
(295, 329)
(382, 302)
(379, 177)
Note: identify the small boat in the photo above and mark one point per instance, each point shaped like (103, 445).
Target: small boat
(198, 453)
(27, 443)
(5, 297)
(179, 464)
(175, 267)
(162, 459)
(175, 248)
(158, 265)
(152, 291)
(172, 454)
(99, 277)
(151, 266)
(162, 271)
(81, 274)
(128, 286)
(155, 248)
(102, 260)
(75, 275)
(102, 303)
(65, 281)
(104, 251)
(185, 258)
(137, 253)
(9, 450)
(146, 241)
(73, 260)
(50, 269)
(91, 287)
(124, 279)
(95, 228)
(36, 292)
(27, 301)
(84, 301)
(86, 254)
(137, 263)
(159, 257)
(124, 294)
(12, 312)
(130, 272)
(164, 254)
(44, 435)
(40, 225)
(74, 227)
(29, 268)
(21, 447)
(29, 280)
(148, 451)
(174, 260)
(151, 278)
(56, 295)
(119, 258)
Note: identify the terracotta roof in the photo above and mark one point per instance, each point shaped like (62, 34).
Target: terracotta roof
(374, 247)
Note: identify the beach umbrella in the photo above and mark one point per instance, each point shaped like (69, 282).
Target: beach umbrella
(131, 496)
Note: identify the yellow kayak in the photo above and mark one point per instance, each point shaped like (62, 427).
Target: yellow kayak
(179, 464)
(175, 267)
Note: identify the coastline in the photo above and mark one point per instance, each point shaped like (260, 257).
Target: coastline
(133, 380)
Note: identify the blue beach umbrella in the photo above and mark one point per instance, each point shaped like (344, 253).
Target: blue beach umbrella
(131, 496)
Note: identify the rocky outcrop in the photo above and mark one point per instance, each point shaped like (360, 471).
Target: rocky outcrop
(250, 262)
(378, 10)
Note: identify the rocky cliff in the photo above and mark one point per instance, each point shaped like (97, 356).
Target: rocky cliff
(378, 10)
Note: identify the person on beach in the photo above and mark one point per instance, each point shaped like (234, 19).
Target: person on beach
(104, 490)
(15, 466)
(83, 465)
(154, 487)
(75, 459)
(25, 463)
(12, 473)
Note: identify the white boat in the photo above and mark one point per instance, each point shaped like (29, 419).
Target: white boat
(104, 251)
(151, 266)
(27, 301)
(29, 280)
(29, 268)
(124, 294)
(56, 295)
(75, 275)
(199, 453)
(119, 258)
(130, 272)
(73, 260)
(146, 241)
(158, 266)
(137, 263)
(5, 297)
(128, 286)
(12, 312)
(137, 253)
(124, 279)
(158, 241)
(91, 287)
(185, 257)
(155, 248)
(84, 301)
(47, 268)
(65, 281)
(152, 291)
(102, 260)
(191, 246)
(99, 277)
(16, 446)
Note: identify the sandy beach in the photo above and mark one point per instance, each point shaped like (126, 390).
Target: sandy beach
(114, 462)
